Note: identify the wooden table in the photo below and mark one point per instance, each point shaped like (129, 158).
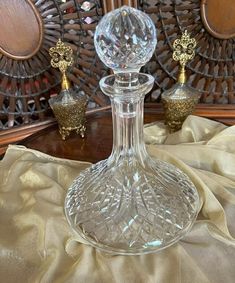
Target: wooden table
(97, 144)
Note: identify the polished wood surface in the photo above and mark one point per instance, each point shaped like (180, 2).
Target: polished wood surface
(97, 144)
(17, 134)
(222, 113)
(14, 135)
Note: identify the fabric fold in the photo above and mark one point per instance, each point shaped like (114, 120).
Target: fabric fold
(37, 244)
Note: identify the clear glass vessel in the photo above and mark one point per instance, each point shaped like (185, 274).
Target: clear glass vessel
(129, 203)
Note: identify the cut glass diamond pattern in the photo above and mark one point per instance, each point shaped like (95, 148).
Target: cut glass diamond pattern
(129, 203)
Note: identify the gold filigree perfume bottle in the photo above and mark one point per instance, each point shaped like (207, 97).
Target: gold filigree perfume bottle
(70, 105)
(180, 100)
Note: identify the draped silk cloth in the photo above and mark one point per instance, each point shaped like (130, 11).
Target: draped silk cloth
(37, 244)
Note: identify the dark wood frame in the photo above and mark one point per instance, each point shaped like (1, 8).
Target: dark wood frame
(210, 29)
(41, 34)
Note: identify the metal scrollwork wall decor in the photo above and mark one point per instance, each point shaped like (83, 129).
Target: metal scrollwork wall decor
(27, 80)
(212, 70)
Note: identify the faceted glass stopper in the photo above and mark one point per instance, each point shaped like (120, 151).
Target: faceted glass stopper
(125, 39)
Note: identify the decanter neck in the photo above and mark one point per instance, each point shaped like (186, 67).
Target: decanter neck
(128, 141)
(127, 99)
(126, 80)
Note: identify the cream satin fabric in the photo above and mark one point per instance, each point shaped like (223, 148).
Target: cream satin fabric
(37, 245)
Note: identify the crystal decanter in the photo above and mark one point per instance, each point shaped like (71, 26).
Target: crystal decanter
(129, 203)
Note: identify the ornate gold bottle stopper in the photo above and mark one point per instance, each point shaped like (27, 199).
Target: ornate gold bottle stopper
(62, 58)
(184, 50)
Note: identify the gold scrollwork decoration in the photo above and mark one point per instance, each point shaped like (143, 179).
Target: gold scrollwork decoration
(62, 58)
(184, 48)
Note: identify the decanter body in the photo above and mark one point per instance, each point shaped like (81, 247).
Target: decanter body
(129, 203)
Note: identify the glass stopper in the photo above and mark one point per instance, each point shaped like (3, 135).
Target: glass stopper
(125, 39)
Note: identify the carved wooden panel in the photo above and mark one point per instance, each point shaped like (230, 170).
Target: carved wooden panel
(212, 70)
(28, 29)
